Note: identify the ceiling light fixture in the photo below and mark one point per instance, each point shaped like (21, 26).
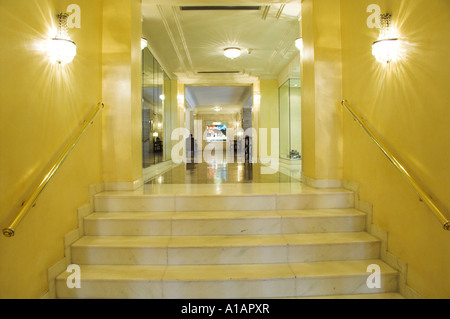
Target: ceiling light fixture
(386, 48)
(232, 53)
(62, 49)
(217, 108)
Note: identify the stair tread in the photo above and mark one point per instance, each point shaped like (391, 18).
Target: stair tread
(220, 215)
(387, 295)
(229, 189)
(225, 240)
(229, 271)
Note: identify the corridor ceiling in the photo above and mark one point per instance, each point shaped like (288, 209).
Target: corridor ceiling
(189, 42)
(203, 99)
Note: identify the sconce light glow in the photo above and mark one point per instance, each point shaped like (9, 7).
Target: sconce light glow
(386, 48)
(144, 43)
(162, 97)
(61, 49)
(232, 53)
(217, 108)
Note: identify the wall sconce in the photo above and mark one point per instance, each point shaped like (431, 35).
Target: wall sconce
(62, 49)
(386, 48)
(217, 108)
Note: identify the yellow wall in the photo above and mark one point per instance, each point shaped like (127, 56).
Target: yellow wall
(407, 105)
(269, 111)
(41, 107)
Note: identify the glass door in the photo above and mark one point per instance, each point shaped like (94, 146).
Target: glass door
(290, 119)
(156, 91)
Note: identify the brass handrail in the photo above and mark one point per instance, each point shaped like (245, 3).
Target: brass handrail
(29, 203)
(418, 189)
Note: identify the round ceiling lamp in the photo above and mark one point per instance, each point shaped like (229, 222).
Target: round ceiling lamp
(232, 53)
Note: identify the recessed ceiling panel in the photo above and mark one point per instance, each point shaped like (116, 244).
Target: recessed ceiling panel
(192, 40)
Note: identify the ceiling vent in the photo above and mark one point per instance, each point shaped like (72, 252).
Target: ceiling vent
(220, 8)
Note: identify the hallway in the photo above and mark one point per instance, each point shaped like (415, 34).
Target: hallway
(218, 173)
(97, 94)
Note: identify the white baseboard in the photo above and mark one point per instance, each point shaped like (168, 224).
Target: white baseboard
(69, 239)
(321, 183)
(386, 256)
(123, 186)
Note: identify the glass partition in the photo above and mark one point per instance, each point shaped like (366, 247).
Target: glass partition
(290, 120)
(155, 96)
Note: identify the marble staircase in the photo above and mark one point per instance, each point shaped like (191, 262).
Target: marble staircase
(227, 241)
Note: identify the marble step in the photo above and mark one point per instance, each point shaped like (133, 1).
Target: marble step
(387, 295)
(228, 281)
(226, 198)
(223, 222)
(234, 249)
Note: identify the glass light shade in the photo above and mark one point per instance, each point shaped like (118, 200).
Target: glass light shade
(386, 50)
(62, 51)
(232, 53)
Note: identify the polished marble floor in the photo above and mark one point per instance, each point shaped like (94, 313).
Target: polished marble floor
(219, 173)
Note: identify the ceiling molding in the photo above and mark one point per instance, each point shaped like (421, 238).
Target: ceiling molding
(183, 39)
(171, 36)
(219, 8)
(222, 2)
(280, 11)
(281, 50)
(265, 12)
(190, 42)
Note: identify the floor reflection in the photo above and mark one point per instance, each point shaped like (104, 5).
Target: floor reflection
(218, 173)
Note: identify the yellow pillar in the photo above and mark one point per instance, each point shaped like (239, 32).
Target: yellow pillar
(269, 110)
(322, 92)
(122, 94)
